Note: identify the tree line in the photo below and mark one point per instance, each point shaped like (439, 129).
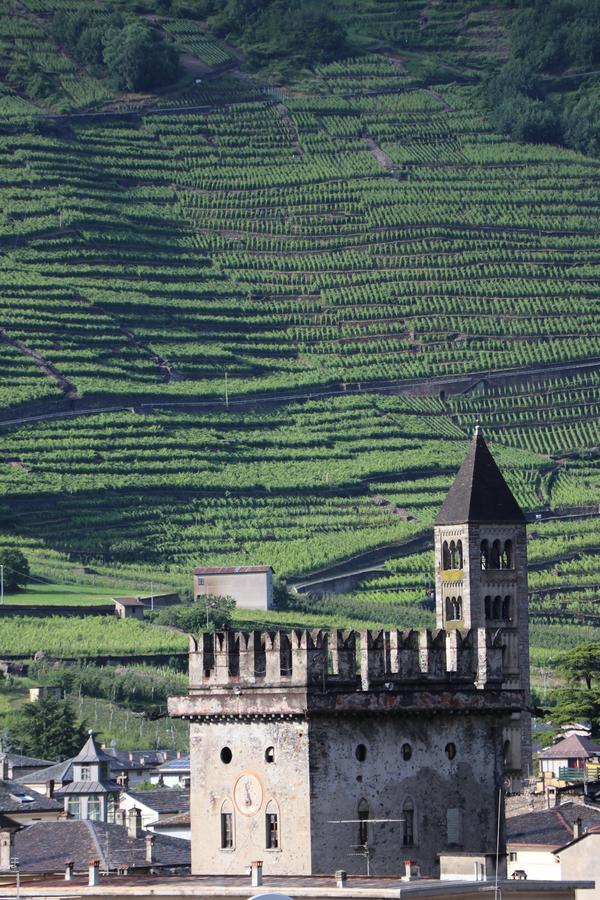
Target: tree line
(529, 97)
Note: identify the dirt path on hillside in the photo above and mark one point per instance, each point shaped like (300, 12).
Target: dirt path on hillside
(46, 367)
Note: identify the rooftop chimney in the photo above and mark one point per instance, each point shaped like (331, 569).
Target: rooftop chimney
(134, 823)
(150, 848)
(69, 866)
(50, 788)
(4, 767)
(577, 828)
(6, 849)
(94, 873)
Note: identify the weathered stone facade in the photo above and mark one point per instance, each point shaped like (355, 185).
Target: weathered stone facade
(318, 729)
(314, 752)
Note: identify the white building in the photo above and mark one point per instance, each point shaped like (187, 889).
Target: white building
(250, 586)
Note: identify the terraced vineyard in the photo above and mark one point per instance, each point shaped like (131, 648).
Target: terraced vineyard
(359, 232)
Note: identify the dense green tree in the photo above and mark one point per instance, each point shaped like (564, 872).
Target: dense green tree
(582, 124)
(16, 569)
(209, 613)
(46, 729)
(138, 58)
(582, 664)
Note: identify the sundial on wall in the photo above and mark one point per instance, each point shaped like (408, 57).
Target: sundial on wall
(248, 794)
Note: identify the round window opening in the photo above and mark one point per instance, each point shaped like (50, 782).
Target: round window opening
(361, 753)
(450, 751)
(406, 751)
(270, 754)
(226, 755)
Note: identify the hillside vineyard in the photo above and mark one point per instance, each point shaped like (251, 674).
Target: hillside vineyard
(361, 232)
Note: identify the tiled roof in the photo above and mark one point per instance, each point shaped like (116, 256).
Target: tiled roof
(479, 492)
(45, 846)
(128, 601)
(230, 570)
(152, 758)
(175, 765)
(15, 797)
(18, 761)
(181, 820)
(59, 772)
(575, 746)
(550, 827)
(163, 800)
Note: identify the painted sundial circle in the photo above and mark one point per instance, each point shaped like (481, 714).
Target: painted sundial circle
(248, 794)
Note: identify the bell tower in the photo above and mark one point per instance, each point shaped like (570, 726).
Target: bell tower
(481, 578)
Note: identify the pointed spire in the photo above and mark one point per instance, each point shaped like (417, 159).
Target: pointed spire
(91, 752)
(479, 492)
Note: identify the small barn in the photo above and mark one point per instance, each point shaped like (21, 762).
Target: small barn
(129, 608)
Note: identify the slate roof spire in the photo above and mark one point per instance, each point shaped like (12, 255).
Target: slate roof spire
(479, 492)
(91, 752)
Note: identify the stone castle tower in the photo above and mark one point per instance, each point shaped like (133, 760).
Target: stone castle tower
(481, 578)
(316, 751)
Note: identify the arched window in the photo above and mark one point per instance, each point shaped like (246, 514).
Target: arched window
(272, 826)
(445, 556)
(506, 611)
(488, 606)
(485, 555)
(363, 819)
(506, 754)
(226, 825)
(458, 608)
(452, 555)
(495, 555)
(408, 825)
(497, 608)
(506, 558)
(448, 609)
(459, 555)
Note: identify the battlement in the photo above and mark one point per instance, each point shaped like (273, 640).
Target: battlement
(345, 660)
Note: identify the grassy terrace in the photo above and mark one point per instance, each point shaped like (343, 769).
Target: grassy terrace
(363, 224)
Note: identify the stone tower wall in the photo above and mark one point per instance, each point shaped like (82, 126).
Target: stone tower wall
(474, 585)
(454, 801)
(283, 781)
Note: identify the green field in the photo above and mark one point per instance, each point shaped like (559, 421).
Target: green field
(58, 595)
(235, 296)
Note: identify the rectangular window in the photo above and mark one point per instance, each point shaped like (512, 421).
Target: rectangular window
(272, 832)
(74, 807)
(408, 831)
(512, 857)
(200, 581)
(226, 831)
(86, 773)
(363, 827)
(454, 826)
(94, 809)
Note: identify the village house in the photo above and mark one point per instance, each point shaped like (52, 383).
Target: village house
(569, 758)
(173, 773)
(155, 804)
(539, 843)
(84, 784)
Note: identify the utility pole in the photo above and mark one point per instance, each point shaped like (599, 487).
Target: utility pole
(152, 596)
(1, 583)
(226, 391)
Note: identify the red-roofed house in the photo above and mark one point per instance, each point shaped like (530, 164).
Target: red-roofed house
(250, 586)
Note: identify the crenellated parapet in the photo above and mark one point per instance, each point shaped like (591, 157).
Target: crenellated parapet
(342, 660)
